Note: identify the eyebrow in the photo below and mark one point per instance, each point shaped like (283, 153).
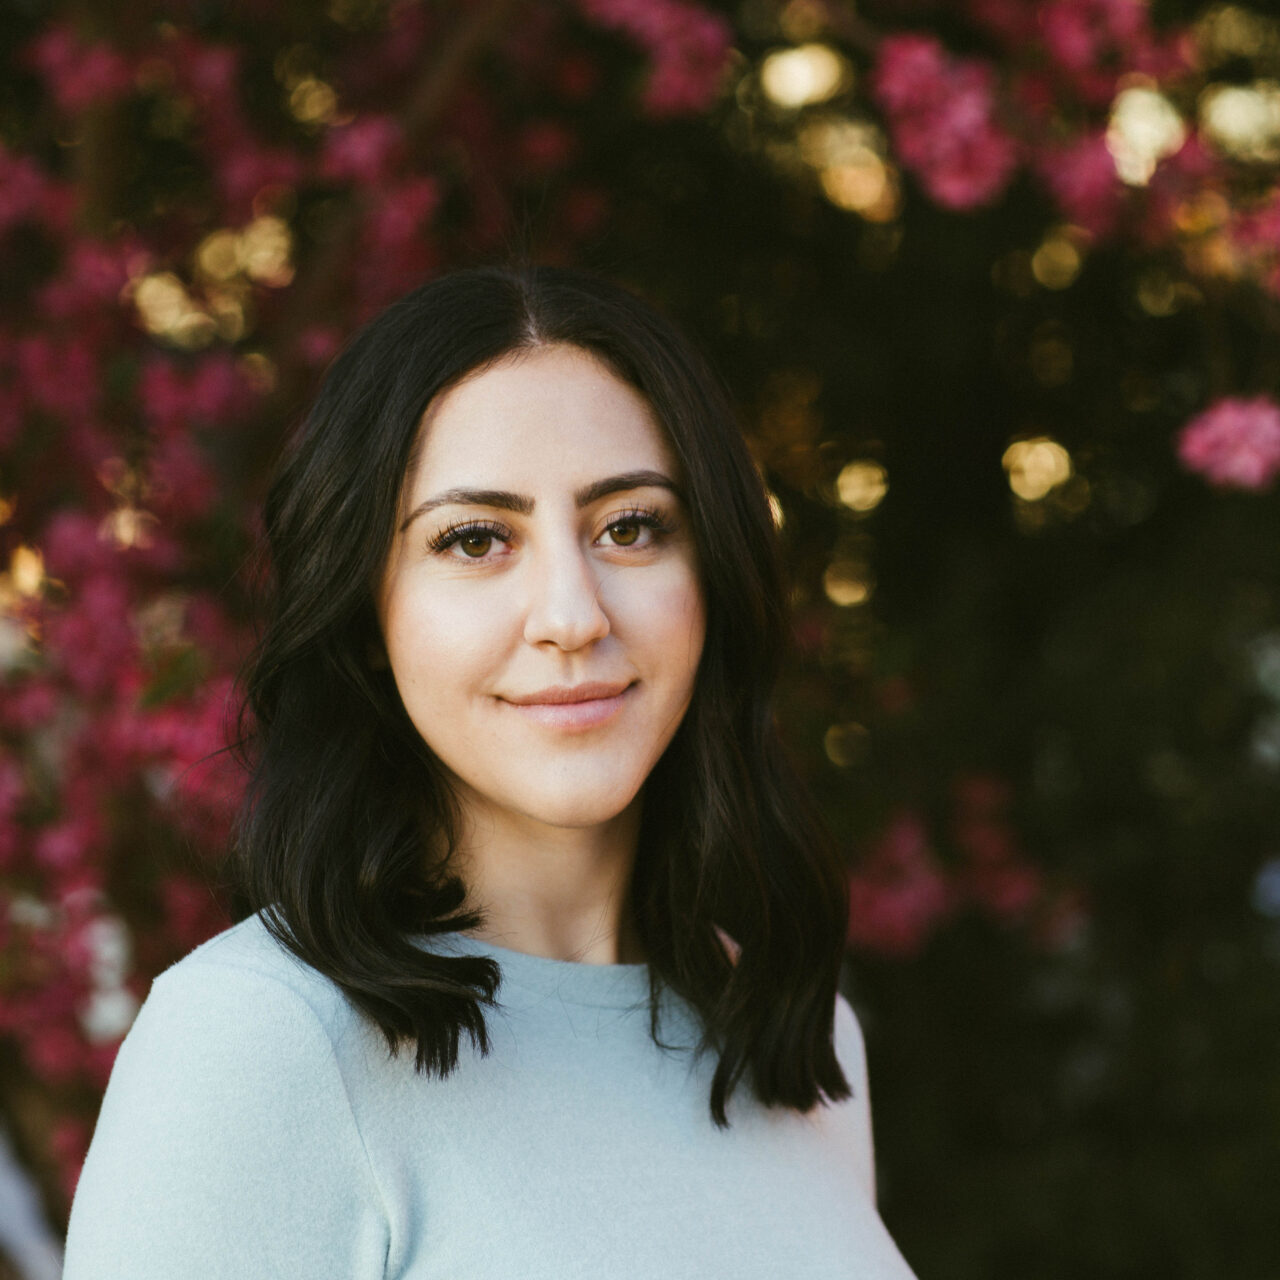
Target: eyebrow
(522, 505)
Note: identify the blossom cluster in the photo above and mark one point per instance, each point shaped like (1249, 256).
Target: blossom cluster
(902, 890)
(1084, 98)
(194, 218)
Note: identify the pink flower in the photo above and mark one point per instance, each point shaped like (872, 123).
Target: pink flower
(689, 47)
(1013, 21)
(79, 75)
(72, 548)
(182, 485)
(363, 151)
(1234, 443)
(90, 280)
(54, 1051)
(13, 792)
(245, 170)
(899, 894)
(25, 189)
(1080, 33)
(28, 703)
(212, 393)
(941, 115)
(59, 377)
(74, 842)
(318, 345)
(398, 217)
(92, 639)
(1081, 177)
(1006, 889)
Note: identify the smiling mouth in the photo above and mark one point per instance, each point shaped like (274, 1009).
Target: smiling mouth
(582, 706)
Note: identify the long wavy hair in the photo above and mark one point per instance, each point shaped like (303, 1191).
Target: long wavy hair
(343, 844)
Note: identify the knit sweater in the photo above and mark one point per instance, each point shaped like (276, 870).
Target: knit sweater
(255, 1126)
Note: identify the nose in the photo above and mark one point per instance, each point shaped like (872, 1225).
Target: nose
(563, 606)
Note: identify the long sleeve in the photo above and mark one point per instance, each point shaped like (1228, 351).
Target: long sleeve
(226, 1148)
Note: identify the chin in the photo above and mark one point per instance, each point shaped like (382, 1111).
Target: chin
(578, 811)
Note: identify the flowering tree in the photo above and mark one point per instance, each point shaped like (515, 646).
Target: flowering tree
(197, 205)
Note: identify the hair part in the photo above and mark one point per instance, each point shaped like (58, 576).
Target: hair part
(345, 838)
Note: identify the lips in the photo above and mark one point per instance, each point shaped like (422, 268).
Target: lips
(579, 706)
(558, 695)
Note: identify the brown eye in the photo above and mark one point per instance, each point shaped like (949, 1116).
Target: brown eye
(625, 532)
(476, 543)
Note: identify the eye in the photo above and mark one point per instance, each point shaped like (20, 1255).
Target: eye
(625, 533)
(474, 539)
(475, 543)
(638, 528)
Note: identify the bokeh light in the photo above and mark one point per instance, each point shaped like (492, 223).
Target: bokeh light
(806, 74)
(1035, 466)
(847, 582)
(1243, 120)
(1144, 128)
(1057, 262)
(861, 485)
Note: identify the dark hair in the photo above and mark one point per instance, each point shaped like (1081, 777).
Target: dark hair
(345, 799)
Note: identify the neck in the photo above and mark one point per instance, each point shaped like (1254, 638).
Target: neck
(558, 892)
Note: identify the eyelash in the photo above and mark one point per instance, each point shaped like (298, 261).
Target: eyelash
(646, 517)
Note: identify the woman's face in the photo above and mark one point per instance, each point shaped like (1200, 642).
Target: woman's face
(541, 606)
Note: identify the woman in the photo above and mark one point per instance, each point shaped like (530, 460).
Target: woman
(515, 775)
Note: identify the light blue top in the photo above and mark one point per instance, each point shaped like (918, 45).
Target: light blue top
(255, 1126)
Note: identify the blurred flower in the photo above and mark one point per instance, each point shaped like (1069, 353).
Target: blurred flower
(688, 46)
(363, 151)
(898, 894)
(60, 377)
(1234, 443)
(941, 115)
(90, 638)
(1081, 177)
(25, 189)
(1079, 34)
(92, 276)
(212, 392)
(78, 75)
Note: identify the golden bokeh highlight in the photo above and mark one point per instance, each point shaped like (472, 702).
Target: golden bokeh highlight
(1243, 120)
(312, 101)
(128, 526)
(846, 744)
(1144, 128)
(26, 571)
(853, 168)
(804, 75)
(847, 583)
(861, 485)
(1035, 466)
(1231, 31)
(1057, 261)
(263, 251)
(266, 246)
(169, 312)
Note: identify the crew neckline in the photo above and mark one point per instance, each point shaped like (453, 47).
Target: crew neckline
(610, 986)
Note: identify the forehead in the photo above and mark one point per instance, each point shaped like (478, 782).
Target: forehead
(537, 416)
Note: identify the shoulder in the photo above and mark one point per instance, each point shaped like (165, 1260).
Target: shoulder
(240, 1005)
(246, 968)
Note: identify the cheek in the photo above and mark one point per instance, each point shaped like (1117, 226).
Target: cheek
(665, 616)
(438, 644)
